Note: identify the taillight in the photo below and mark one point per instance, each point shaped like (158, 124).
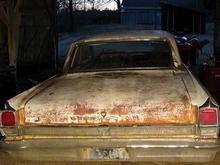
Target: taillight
(208, 116)
(7, 118)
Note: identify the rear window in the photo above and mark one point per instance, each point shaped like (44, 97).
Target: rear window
(122, 55)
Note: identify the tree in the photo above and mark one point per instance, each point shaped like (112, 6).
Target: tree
(119, 9)
(97, 3)
(72, 5)
(83, 4)
(217, 32)
(62, 5)
(71, 14)
(118, 4)
(10, 16)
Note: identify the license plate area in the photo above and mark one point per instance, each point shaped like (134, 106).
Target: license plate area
(105, 154)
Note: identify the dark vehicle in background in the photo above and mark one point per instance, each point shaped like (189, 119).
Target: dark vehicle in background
(190, 47)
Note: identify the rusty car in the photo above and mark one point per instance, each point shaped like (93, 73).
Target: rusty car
(122, 96)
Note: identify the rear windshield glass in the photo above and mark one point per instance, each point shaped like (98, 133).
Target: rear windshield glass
(122, 55)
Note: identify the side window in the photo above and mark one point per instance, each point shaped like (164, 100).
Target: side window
(82, 56)
(88, 54)
(76, 57)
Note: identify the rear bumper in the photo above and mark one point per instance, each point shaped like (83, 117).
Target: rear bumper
(172, 150)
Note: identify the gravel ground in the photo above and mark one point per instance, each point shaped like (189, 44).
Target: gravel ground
(7, 161)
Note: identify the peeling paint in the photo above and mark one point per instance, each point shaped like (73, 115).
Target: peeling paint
(139, 98)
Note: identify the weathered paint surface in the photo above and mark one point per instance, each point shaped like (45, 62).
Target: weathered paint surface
(113, 98)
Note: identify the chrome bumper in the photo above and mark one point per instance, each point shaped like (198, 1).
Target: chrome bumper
(172, 150)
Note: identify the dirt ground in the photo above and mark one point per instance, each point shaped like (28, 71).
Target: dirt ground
(7, 161)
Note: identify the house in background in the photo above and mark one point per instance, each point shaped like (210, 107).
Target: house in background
(171, 15)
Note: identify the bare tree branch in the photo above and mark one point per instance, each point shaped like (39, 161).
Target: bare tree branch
(71, 14)
(3, 14)
(18, 5)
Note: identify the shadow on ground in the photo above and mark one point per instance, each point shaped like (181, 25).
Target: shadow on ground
(4, 160)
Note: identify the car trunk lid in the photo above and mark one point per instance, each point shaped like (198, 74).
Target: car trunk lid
(126, 98)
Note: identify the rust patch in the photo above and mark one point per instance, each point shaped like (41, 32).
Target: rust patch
(121, 109)
(81, 109)
(115, 75)
(172, 112)
(195, 110)
(20, 119)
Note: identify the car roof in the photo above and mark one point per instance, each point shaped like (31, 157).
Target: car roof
(127, 35)
(130, 35)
